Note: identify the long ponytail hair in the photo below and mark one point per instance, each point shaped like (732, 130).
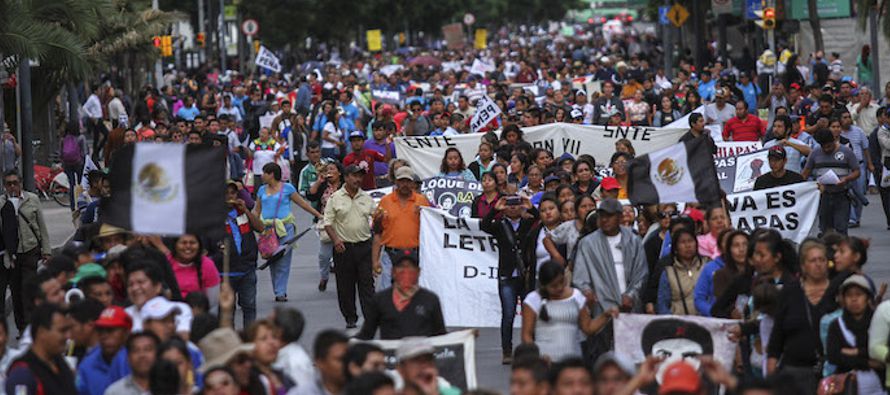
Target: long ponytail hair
(550, 271)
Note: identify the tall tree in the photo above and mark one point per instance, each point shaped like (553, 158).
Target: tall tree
(815, 24)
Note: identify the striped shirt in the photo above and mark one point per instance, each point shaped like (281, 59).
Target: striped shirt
(858, 140)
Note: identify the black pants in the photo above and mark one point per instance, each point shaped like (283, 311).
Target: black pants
(353, 270)
(885, 202)
(100, 136)
(25, 267)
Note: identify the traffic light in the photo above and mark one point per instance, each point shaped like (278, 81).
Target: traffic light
(166, 46)
(769, 18)
(156, 41)
(200, 39)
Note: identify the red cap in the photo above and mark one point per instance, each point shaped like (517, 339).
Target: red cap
(610, 183)
(695, 214)
(679, 377)
(114, 317)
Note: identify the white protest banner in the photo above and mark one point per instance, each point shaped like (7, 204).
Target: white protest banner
(459, 262)
(789, 209)
(387, 96)
(738, 173)
(265, 58)
(424, 153)
(455, 354)
(675, 338)
(735, 148)
(450, 194)
(480, 67)
(486, 111)
(266, 120)
(379, 193)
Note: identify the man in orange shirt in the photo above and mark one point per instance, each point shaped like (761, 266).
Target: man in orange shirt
(396, 225)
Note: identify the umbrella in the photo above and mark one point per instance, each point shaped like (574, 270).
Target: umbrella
(425, 60)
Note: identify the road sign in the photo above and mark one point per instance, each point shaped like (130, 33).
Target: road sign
(469, 19)
(678, 15)
(663, 15)
(752, 7)
(250, 27)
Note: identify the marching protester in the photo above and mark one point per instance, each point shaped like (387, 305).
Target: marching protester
(598, 277)
(347, 218)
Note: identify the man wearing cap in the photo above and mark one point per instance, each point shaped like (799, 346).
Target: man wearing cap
(779, 175)
(347, 219)
(795, 149)
(582, 103)
(718, 112)
(405, 309)
(23, 243)
(611, 372)
(397, 224)
(835, 168)
(366, 158)
(417, 365)
(113, 327)
(141, 349)
(610, 264)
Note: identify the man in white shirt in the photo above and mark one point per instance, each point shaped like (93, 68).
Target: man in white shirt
(865, 112)
(92, 111)
(718, 112)
(229, 109)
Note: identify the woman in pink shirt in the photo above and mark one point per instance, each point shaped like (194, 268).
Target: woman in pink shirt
(717, 221)
(194, 271)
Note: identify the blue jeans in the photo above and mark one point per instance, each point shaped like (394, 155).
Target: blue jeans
(280, 269)
(245, 290)
(325, 254)
(859, 187)
(509, 290)
(385, 280)
(330, 153)
(834, 212)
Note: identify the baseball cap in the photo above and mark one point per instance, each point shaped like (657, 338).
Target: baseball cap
(114, 317)
(857, 280)
(352, 169)
(679, 377)
(551, 178)
(777, 152)
(158, 308)
(357, 135)
(564, 157)
(610, 183)
(576, 113)
(413, 347)
(611, 358)
(88, 270)
(610, 206)
(406, 256)
(404, 172)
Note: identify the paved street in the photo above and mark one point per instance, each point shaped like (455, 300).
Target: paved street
(321, 309)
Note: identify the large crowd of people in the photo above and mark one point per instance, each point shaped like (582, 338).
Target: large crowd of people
(116, 312)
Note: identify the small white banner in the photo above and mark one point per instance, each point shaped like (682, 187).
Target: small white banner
(486, 110)
(268, 60)
(790, 209)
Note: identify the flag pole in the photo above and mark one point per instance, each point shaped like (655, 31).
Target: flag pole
(226, 313)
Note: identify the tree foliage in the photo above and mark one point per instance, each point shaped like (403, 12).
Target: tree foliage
(288, 22)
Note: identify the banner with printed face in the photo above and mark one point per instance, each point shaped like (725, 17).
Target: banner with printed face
(425, 153)
(455, 354)
(459, 262)
(452, 195)
(791, 209)
(738, 173)
(673, 338)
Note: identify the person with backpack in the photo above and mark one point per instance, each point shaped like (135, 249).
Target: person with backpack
(71, 153)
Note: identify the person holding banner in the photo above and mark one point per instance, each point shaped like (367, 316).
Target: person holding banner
(795, 150)
(397, 224)
(553, 314)
(779, 174)
(405, 309)
(511, 230)
(484, 160)
(835, 167)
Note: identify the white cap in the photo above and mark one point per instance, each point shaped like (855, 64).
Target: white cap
(158, 308)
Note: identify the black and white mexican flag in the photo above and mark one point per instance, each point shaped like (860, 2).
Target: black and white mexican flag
(681, 173)
(167, 189)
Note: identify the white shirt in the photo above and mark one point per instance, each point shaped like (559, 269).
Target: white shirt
(334, 133)
(618, 257)
(714, 115)
(294, 361)
(262, 157)
(183, 319)
(93, 107)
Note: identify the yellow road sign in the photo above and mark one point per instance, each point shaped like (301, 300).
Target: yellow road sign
(678, 15)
